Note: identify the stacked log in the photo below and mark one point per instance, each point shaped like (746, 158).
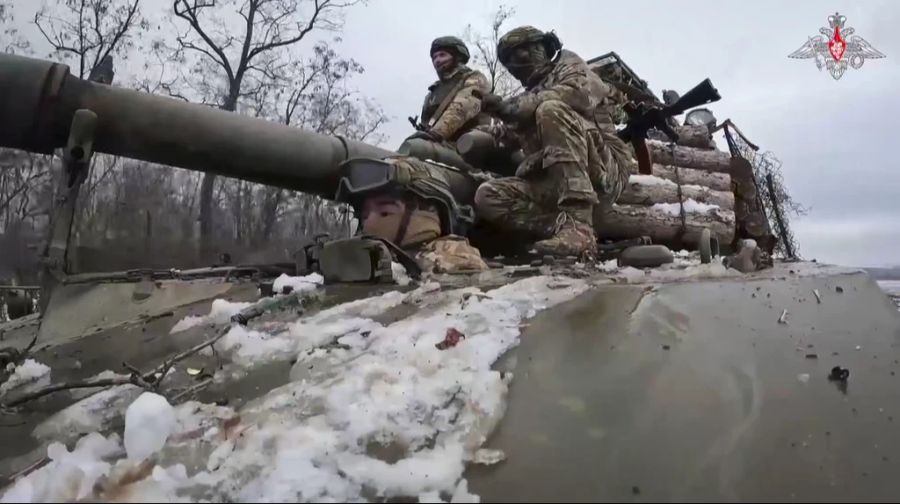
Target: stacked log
(690, 189)
(690, 157)
(690, 176)
(647, 190)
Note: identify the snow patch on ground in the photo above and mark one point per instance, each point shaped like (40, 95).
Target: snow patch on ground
(690, 206)
(392, 416)
(25, 377)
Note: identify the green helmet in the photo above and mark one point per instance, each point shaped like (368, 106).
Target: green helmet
(452, 44)
(526, 35)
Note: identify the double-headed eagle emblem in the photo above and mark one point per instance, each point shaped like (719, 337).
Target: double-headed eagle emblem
(836, 48)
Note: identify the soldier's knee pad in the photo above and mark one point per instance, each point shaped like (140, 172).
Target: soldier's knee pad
(486, 201)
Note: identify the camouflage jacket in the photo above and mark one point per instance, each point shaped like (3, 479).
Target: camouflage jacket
(570, 80)
(463, 112)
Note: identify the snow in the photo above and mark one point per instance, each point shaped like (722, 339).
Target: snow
(892, 287)
(385, 388)
(69, 476)
(26, 376)
(400, 276)
(222, 310)
(690, 206)
(298, 284)
(649, 180)
(149, 421)
(93, 413)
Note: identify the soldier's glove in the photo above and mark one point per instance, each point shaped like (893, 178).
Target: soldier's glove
(508, 110)
(531, 165)
(427, 135)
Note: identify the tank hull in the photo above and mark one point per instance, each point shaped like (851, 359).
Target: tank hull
(695, 392)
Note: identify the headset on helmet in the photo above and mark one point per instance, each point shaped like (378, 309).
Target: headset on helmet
(454, 45)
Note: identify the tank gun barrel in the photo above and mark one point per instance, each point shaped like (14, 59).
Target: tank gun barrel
(38, 100)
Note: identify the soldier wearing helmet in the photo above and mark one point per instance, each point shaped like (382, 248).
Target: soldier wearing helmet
(563, 122)
(451, 108)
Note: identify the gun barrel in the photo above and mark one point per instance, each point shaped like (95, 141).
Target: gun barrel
(701, 94)
(39, 100)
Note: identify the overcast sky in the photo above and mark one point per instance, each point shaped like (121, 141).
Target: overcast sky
(835, 138)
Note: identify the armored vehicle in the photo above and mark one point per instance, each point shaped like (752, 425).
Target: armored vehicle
(548, 379)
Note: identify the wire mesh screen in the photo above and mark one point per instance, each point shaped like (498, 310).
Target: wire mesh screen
(773, 197)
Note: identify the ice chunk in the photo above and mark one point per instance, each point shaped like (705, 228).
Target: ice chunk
(29, 374)
(148, 422)
(298, 284)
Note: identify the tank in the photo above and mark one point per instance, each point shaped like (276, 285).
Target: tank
(562, 380)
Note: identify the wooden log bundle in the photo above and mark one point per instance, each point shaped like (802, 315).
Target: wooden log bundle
(652, 205)
(648, 190)
(632, 221)
(690, 157)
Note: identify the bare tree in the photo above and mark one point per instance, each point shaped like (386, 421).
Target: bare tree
(484, 52)
(241, 45)
(90, 32)
(12, 41)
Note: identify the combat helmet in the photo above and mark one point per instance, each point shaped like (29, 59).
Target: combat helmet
(524, 35)
(452, 44)
(402, 174)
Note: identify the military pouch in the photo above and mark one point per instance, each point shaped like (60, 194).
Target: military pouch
(362, 259)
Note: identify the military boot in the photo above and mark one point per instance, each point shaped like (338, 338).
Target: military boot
(573, 234)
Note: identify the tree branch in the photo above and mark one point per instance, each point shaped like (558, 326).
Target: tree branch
(190, 15)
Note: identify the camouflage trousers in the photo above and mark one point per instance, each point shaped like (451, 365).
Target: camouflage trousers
(570, 163)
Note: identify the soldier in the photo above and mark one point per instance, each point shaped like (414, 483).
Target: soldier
(564, 123)
(414, 209)
(451, 108)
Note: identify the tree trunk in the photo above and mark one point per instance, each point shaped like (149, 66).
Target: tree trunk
(270, 211)
(626, 221)
(644, 190)
(206, 213)
(691, 176)
(690, 157)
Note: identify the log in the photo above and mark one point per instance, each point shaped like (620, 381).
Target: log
(648, 190)
(621, 222)
(688, 136)
(695, 136)
(690, 157)
(690, 176)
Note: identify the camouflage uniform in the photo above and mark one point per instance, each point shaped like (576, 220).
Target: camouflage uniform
(464, 111)
(565, 126)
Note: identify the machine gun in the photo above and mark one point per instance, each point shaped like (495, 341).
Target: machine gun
(642, 118)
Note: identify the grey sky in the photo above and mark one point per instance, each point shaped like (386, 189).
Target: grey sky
(835, 138)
